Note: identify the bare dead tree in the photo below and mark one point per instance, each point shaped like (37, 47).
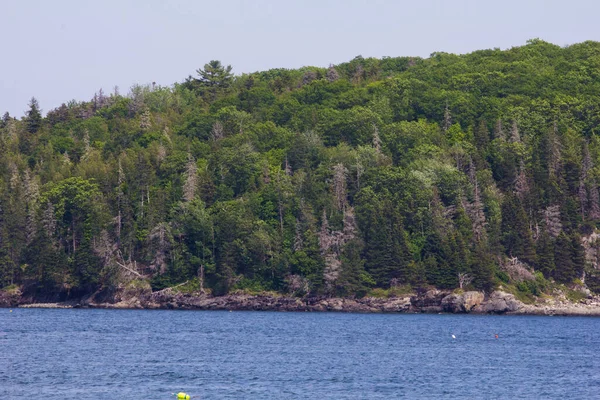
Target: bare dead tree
(32, 189)
(583, 198)
(447, 123)
(101, 99)
(515, 136)
(49, 222)
(15, 177)
(517, 270)
(376, 139)
(339, 186)
(475, 209)
(332, 74)
(146, 120)
(521, 182)
(325, 239)
(464, 279)
(350, 227)
(191, 179)
(308, 77)
(331, 273)
(360, 169)
(332, 242)
(31, 194)
(201, 277)
(594, 202)
(120, 194)
(11, 129)
(472, 172)
(298, 240)
(477, 216)
(136, 94)
(498, 132)
(111, 255)
(86, 144)
(104, 248)
(551, 217)
(218, 132)
(166, 134)
(297, 285)
(359, 74)
(328, 244)
(587, 164)
(287, 168)
(160, 236)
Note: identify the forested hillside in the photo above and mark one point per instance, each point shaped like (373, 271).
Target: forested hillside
(473, 171)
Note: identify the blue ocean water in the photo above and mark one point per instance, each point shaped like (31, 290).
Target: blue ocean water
(134, 354)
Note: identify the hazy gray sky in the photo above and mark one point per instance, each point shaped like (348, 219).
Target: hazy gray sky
(68, 49)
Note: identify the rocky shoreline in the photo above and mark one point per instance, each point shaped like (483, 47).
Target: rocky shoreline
(432, 301)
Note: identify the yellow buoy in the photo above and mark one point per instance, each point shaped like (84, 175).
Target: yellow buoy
(183, 396)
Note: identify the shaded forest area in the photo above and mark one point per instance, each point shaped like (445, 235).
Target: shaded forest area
(467, 171)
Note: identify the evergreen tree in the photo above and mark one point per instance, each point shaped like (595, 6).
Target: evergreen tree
(565, 270)
(33, 116)
(386, 251)
(516, 237)
(223, 179)
(482, 268)
(577, 255)
(352, 277)
(545, 255)
(214, 77)
(439, 270)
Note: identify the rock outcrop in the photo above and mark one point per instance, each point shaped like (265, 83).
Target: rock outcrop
(499, 303)
(431, 301)
(10, 298)
(462, 303)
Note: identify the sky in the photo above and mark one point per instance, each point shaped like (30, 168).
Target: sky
(68, 49)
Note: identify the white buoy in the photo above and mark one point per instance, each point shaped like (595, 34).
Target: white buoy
(453, 337)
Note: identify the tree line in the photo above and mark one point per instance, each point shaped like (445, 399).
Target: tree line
(451, 171)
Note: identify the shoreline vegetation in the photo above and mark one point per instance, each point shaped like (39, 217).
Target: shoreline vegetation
(401, 184)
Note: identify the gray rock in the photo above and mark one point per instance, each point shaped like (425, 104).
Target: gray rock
(400, 304)
(472, 299)
(501, 302)
(431, 299)
(461, 303)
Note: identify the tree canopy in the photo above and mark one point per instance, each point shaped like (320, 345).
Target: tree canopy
(362, 176)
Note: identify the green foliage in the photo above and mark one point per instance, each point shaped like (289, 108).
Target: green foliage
(34, 116)
(592, 281)
(575, 295)
(444, 165)
(396, 291)
(517, 239)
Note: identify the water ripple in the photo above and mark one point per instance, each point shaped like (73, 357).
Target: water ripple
(111, 354)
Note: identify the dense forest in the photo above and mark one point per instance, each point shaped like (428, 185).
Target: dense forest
(467, 171)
